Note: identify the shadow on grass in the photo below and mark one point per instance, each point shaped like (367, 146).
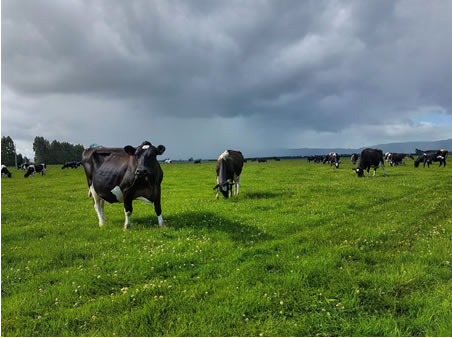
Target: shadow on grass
(262, 195)
(206, 220)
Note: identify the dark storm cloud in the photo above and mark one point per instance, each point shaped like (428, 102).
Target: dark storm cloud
(288, 66)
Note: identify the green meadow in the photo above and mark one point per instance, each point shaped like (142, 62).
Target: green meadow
(304, 250)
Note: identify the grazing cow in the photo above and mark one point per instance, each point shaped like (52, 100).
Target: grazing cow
(168, 161)
(5, 171)
(261, 160)
(333, 158)
(430, 156)
(73, 165)
(370, 158)
(36, 168)
(197, 162)
(24, 166)
(398, 158)
(229, 168)
(123, 175)
(354, 158)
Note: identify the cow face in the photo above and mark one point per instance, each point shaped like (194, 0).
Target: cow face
(224, 188)
(146, 157)
(359, 171)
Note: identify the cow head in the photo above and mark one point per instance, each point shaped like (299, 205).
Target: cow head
(224, 188)
(146, 157)
(359, 171)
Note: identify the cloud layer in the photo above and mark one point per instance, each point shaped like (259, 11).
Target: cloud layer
(201, 76)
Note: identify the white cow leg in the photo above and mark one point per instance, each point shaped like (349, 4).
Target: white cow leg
(127, 219)
(160, 219)
(237, 185)
(98, 206)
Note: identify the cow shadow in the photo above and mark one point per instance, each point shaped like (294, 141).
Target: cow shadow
(236, 230)
(261, 195)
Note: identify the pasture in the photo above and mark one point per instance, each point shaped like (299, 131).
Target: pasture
(304, 250)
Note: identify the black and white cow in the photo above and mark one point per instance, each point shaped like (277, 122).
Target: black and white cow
(123, 175)
(73, 165)
(430, 156)
(5, 171)
(354, 158)
(229, 172)
(333, 158)
(370, 158)
(36, 168)
(398, 158)
(168, 161)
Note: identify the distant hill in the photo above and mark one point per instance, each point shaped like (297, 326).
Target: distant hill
(401, 147)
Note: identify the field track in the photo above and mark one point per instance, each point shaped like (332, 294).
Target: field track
(304, 250)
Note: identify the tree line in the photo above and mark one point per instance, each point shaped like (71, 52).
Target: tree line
(54, 152)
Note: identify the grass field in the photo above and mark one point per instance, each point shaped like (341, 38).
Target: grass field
(304, 250)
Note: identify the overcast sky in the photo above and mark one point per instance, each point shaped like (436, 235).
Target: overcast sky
(202, 76)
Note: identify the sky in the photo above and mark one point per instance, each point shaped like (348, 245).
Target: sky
(203, 76)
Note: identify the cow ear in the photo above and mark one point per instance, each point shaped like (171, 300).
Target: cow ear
(160, 149)
(130, 150)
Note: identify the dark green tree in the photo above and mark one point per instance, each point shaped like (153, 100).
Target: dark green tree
(8, 151)
(41, 147)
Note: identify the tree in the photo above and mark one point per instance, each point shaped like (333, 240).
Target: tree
(8, 151)
(41, 147)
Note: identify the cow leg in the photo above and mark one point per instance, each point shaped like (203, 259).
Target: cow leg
(98, 206)
(158, 211)
(384, 171)
(127, 212)
(237, 185)
(218, 191)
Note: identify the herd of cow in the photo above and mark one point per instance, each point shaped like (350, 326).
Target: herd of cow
(133, 173)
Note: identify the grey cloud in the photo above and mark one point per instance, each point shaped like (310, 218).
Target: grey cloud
(288, 66)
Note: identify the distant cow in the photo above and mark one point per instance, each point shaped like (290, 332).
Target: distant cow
(5, 171)
(430, 156)
(36, 168)
(370, 158)
(168, 161)
(123, 175)
(72, 165)
(398, 158)
(197, 162)
(261, 160)
(354, 158)
(229, 172)
(333, 158)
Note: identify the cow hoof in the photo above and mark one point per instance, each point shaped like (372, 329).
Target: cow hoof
(101, 225)
(126, 226)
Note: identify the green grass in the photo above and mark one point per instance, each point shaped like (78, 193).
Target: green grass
(304, 250)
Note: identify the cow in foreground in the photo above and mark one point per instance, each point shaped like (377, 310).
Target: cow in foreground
(370, 158)
(430, 156)
(36, 168)
(5, 171)
(123, 175)
(229, 172)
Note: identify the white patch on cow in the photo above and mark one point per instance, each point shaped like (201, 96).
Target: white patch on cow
(146, 146)
(224, 155)
(160, 219)
(144, 199)
(118, 193)
(3, 166)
